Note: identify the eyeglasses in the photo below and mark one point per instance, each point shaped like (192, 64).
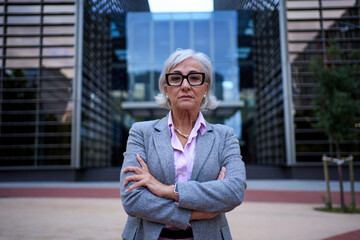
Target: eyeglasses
(176, 79)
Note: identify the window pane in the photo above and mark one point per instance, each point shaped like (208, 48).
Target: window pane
(58, 40)
(56, 9)
(58, 51)
(162, 39)
(23, 30)
(19, 41)
(22, 63)
(58, 62)
(302, 4)
(181, 29)
(24, 19)
(304, 25)
(141, 32)
(24, 9)
(59, 19)
(303, 14)
(16, 52)
(59, 30)
(202, 36)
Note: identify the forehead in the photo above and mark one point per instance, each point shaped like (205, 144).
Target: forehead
(189, 64)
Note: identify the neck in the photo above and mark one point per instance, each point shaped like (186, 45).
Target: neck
(184, 120)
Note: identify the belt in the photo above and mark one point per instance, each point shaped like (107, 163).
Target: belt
(176, 234)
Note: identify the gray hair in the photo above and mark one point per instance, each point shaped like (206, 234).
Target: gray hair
(209, 102)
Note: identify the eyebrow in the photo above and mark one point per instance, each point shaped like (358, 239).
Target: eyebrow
(192, 71)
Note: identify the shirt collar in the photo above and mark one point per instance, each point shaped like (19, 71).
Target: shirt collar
(199, 124)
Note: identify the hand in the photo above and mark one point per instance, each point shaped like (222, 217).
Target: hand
(144, 178)
(199, 215)
(222, 173)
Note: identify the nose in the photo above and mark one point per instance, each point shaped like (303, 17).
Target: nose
(185, 83)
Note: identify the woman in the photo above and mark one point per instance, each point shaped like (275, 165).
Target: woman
(173, 183)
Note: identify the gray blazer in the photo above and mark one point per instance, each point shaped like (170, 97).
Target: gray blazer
(148, 213)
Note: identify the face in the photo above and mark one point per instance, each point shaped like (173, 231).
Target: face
(186, 97)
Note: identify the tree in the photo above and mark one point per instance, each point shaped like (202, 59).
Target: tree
(337, 98)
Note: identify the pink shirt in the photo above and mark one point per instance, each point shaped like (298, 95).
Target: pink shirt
(184, 156)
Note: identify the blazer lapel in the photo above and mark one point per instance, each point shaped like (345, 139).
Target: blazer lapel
(164, 150)
(203, 147)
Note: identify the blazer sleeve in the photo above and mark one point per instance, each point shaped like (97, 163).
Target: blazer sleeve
(218, 195)
(141, 202)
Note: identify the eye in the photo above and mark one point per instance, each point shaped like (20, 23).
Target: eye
(175, 78)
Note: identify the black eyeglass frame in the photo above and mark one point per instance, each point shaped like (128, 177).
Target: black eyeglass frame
(183, 77)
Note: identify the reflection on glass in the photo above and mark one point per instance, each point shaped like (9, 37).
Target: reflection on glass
(23, 19)
(59, 19)
(59, 30)
(342, 3)
(333, 13)
(22, 41)
(24, 9)
(302, 4)
(304, 25)
(308, 36)
(202, 36)
(58, 62)
(58, 40)
(56, 9)
(303, 14)
(20, 63)
(141, 33)
(161, 37)
(182, 28)
(26, 52)
(23, 30)
(59, 51)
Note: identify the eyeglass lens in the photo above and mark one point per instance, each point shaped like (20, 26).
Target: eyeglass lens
(193, 79)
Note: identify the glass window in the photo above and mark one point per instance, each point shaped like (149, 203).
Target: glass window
(181, 34)
(22, 63)
(59, 8)
(307, 36)
(23, 30)
(24, 9)
(333, 13)
(342, 3)
(58, 51)
(302, 4)
(17, 52)
(58, 40)
(59, 30)
(222, 51)
(58, 62)
(162, 40)
(19, 41)
(202, 36)
(141, 33)
(304, 25)
(303, 14)
(24, 19)
(59, 19)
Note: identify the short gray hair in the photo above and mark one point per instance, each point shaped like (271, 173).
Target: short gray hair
(209, 102)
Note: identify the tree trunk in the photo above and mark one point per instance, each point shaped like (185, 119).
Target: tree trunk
(342, 202)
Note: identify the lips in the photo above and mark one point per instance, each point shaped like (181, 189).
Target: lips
(185, 97)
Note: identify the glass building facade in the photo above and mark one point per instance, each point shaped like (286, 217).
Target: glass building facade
(312, 25)
(75, 75)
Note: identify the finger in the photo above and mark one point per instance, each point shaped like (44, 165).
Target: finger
(136, 185)
(142, 162)
(222, 173)
(132, 178)
(136, 170)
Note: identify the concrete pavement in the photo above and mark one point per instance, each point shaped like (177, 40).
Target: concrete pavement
(93, 211)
